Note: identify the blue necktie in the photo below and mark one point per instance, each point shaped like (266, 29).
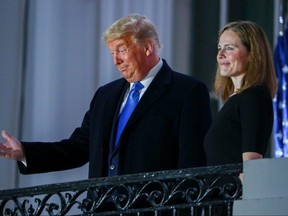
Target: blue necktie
(130, 105)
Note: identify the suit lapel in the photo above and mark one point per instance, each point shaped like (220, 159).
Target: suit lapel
(156, 89)
(123, 90)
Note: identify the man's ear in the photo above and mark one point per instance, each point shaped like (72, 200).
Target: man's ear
(149, 47)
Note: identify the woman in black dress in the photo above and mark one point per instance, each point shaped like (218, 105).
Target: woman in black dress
(246, 83)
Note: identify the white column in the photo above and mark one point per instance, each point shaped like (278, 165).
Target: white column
(11, 56)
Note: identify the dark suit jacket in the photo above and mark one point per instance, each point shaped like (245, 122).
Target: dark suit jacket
(165, 131)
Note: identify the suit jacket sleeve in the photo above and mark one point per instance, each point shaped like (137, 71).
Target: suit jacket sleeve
(195, 122)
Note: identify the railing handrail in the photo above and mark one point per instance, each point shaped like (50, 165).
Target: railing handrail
(194, 185)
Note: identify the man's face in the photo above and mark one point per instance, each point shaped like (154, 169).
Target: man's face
(129, 58)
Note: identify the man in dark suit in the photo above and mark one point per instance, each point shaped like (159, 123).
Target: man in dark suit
(165, 130)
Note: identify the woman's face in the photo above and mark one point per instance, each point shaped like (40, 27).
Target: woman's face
(232, 55)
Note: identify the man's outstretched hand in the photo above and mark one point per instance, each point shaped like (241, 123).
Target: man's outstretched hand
(11, 148)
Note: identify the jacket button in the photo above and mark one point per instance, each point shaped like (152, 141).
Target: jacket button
(112, 167)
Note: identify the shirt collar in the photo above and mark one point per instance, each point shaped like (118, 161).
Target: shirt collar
(152, 73)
